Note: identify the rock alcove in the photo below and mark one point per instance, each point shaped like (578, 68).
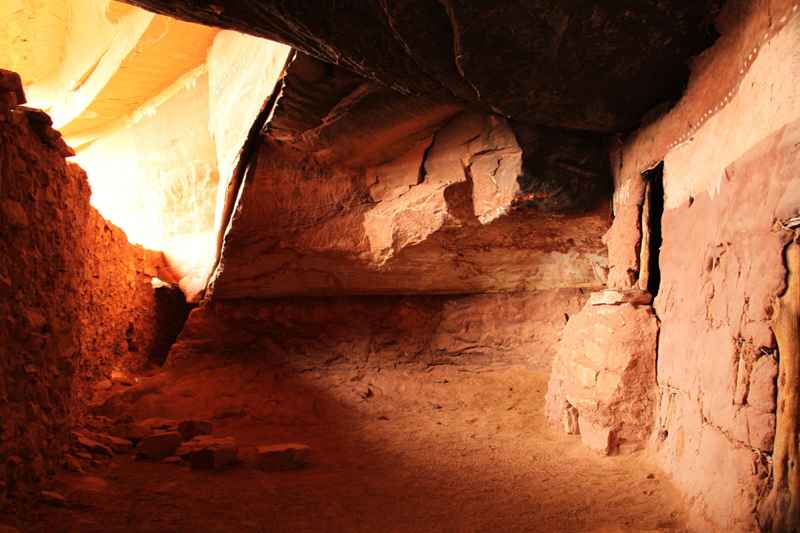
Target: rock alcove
(399, 266)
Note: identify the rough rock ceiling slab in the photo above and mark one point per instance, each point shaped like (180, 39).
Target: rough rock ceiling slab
(577, 64)
(341, 118)
(165, 51)
(444, 215)
(93, 63)
(360, 190)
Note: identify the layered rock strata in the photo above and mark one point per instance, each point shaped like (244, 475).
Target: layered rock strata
(516, 328)
(444, 216)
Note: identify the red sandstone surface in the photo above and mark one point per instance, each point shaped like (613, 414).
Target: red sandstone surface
(430, 306)
(456, 447)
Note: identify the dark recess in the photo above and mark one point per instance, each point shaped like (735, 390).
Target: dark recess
(563, 171)
(655, 179)
(172, 310)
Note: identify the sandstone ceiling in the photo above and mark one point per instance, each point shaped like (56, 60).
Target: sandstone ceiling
(156, 109)
(577, 64)
(165, 51)
(357, 189)
(448, 147)
(413, 146)
(33, 59)
(92, 63)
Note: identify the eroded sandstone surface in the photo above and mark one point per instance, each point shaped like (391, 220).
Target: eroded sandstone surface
(442, 210)
(376, 331)
(490, 191)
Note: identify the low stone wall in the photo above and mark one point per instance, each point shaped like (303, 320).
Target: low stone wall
(76, 298)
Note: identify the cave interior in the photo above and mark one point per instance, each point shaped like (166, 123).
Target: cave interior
(382, 265)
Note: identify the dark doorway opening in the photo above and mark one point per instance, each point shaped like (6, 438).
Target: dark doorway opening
(653, 210)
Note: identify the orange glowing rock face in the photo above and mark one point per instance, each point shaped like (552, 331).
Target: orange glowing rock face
(157, 177)
(157, 110)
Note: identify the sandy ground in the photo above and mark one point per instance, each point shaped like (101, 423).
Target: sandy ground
(444, 448)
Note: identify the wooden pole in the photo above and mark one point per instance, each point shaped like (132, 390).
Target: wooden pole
(784, 498)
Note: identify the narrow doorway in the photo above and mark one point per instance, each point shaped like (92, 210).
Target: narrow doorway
(652, 211)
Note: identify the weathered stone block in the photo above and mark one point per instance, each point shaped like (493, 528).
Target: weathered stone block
(761, 394)
(598, 438)
(192, 428)
(160, 424)
(131, 431)
(52, 498)
(620, 296)
(11, 83)
(92, 445)
(761, 428)
(13, 213)
(206, 452)
(160, 445)
(283, 456)
(605, 369)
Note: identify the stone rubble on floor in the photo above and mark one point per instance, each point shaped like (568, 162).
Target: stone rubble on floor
(188, 442)
(122, 378)
(207, 452)
(51, 497)
(160, 424)
(159, 445)
(90, 445)
(126, 428)
(279, 457)
(190, 429)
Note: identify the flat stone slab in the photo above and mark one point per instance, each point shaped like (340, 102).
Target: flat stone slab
(91, 445)
(163, 424)
(619, 297)
(209, 453)
(278, 457)
(160, 445)
(53, 498)
(131, 431)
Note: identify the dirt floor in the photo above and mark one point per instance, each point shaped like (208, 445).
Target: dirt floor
(443, 448)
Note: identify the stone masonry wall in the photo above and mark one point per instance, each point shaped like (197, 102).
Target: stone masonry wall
(75, 297)
(731, 176)
(717, 361)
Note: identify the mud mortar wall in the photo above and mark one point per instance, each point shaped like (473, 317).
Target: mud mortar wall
(729, 181)
(75, 297)
(717, 356)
